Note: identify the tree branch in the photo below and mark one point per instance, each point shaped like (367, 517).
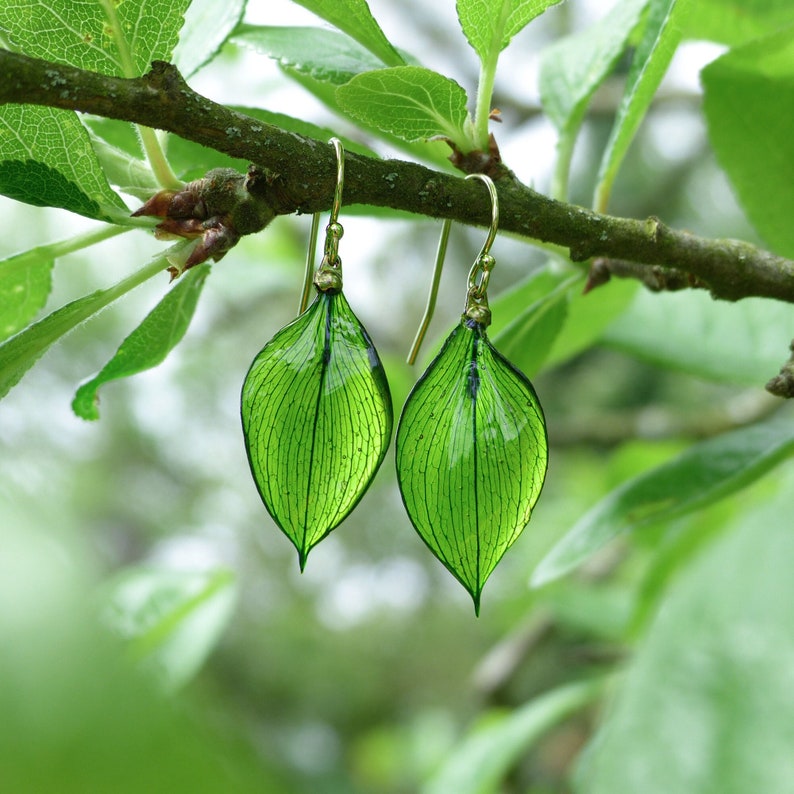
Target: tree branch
(304, 175)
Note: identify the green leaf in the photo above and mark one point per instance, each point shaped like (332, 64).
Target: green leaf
(589, 314)
(117, 145)
(320, 61)
(528, 338)
(323, 55)
(483, 759)
(25, 278)
(745, 92)
(108, 37)
(354, 18)
(172, 619)
(573, 68)
(46, 159)
(702, 475)
(19, 353)
(149, 344)
(435, 153)
(654, 52)
(706, 704)
(25, 283)
(317, 419)
(736, 21)
(322, 90)
(133, 176)
(207, 26)
(512, 303)
(410, 102)
(116, 38)
(471, 455)
(740, 342)
(548, 319)
(678, 547)
(490, 24)
(119, 134)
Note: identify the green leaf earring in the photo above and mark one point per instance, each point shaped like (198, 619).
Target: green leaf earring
(471, 446)
(316, 407)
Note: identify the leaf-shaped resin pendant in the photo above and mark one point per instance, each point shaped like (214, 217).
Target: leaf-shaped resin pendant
(471, 455)
(317, 418)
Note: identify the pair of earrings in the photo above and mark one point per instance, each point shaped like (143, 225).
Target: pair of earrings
(471, 446)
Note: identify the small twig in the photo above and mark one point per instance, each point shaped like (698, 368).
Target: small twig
(655, 277)
(782, 385)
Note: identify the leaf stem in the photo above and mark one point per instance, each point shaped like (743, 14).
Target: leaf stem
(166, 178)
(565, 147)
(433, 294)
(601, 196)
(80, 241)
(485, 87)
(161, 168)
(20, 352)
(562, 167)
(488, 62)
(157, 265)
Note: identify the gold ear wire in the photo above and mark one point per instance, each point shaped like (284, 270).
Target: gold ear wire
(340, 179)
(476, 294)
(441, 253)
(333, 233)
(480, 273)
(308, 273)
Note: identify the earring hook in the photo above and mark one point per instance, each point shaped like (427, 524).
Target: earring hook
(328, 277)
(494, 211)
(480, 273)
(441, 253)
(339, 150)
(476, 294)
(308, 272)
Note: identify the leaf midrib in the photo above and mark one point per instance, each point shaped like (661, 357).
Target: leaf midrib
(304, 552)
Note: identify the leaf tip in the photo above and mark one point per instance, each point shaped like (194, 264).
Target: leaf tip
(303, 555)
(476, 598)
(84, 406)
